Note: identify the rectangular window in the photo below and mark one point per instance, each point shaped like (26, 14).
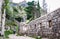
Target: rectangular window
(50, 23)
(40, 25)
(35, 25)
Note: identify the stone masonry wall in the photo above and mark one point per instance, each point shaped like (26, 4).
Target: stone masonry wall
(46, 26)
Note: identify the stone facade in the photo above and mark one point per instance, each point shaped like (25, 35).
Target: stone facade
(46, 26)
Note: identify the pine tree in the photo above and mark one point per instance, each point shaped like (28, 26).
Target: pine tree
(38, 5)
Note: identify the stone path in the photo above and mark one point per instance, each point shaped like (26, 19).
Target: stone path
(19, 37)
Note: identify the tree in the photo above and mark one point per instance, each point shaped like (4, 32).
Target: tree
(4, 6)
(33, 10)
(38, 8)
(29, 10)
(12, 12)
(7, 14)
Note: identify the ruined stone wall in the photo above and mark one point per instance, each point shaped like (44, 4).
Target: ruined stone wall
(23, 28)
(47, 25)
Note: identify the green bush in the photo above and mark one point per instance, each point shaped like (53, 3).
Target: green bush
(8, 32)
(38, 37)
(18, 35)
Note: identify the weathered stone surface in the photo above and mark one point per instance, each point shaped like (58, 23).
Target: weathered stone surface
(46, 26)
(43, 22)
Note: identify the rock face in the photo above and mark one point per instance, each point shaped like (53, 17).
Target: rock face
(46, 26)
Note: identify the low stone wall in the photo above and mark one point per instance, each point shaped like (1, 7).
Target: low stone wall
(47, 25)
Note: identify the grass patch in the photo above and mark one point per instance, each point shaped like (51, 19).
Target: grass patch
(6, 38)
(38, 37)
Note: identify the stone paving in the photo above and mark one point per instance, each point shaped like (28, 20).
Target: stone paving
(19, 37)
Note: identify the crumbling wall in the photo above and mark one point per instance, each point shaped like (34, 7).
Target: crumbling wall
(47, 25)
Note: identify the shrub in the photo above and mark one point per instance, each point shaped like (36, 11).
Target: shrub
(38, 37)
(8, 32)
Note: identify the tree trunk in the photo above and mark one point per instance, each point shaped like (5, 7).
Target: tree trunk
(3, 23)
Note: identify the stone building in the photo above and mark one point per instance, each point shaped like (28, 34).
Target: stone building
(46, 26)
